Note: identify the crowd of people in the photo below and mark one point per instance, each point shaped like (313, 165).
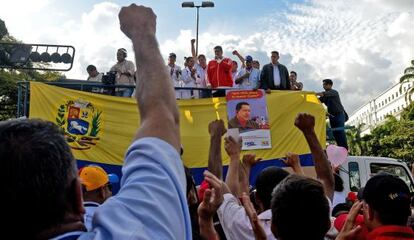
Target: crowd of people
(45, 196)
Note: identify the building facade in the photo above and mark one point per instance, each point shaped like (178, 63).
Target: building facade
(391, 102)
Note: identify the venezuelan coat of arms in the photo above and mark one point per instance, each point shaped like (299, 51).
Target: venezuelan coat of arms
(81, 122)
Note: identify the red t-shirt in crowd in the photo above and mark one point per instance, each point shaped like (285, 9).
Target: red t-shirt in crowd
(391, 232)
(219, 74)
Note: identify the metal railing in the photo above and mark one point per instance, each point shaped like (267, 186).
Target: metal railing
(23, 94)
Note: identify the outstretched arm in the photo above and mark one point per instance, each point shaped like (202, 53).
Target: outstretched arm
(233, 149)
(215, 164)
(306, 123)
(193, 51)
(241, 58)
(157, 105)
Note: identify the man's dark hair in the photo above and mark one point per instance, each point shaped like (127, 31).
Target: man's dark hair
(389, 197)
(234, 62)
(90, 68)
(327, 81)
(293, 72)
(340, 208)
(339, 183)
(218, 48)
(38, 174)
(124, 51)
(266, 181)
(275, 52)
(240, 105)
(201, 56)
(300, 198)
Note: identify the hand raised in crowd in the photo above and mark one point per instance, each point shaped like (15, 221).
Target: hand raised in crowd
(193, 41)
(350, 230)
(213, 197)
(249, 160)
(258, 230)
(217, 128)
(305, 122)
(292, 160)
(137, 21)
(235, 52)
(233, 148)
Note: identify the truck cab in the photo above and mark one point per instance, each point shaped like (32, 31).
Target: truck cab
(358, 169)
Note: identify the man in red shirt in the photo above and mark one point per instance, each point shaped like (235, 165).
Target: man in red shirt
(219, 72)
(386, 208)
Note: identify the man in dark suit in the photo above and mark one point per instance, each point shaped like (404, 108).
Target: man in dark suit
(242, 119)
(274, 76)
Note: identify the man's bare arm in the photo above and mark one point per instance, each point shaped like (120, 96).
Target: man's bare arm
(306, 123)
(233, 149)
(193, 51)
(157, 105)
(215, 163)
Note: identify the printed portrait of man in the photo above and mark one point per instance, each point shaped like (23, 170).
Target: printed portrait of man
(242, 119)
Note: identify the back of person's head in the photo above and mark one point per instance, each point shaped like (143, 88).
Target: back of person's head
(298, 199)
(266, 181)
(327, 81)
(389, 197)
(38, 176)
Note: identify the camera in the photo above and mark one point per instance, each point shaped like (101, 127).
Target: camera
(109, 78)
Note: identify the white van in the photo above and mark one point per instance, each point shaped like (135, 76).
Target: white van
(357, 170)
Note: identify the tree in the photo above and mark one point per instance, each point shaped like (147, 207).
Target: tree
(394, 138)
(355, 143)
(9, 79)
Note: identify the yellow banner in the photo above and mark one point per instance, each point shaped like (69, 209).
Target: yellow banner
(99, 128)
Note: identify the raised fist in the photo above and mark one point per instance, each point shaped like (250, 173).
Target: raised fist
(192, 41)
(137, 21)
(305, 122)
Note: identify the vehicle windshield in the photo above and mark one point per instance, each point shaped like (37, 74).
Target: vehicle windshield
(394, 169)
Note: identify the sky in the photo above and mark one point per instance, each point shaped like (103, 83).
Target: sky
(362, 45)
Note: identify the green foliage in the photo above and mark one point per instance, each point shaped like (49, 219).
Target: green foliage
(394, 138)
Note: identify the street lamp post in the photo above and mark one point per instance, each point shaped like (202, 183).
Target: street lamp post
(192, 5)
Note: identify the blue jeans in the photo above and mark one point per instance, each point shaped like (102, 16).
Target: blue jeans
(124, 92)
(338, 121)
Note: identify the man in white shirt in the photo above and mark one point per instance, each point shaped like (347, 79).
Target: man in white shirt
(189, 79)
(248, 77)
(201, 71)
(94, 76)
(175, 73)
(125, 71)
